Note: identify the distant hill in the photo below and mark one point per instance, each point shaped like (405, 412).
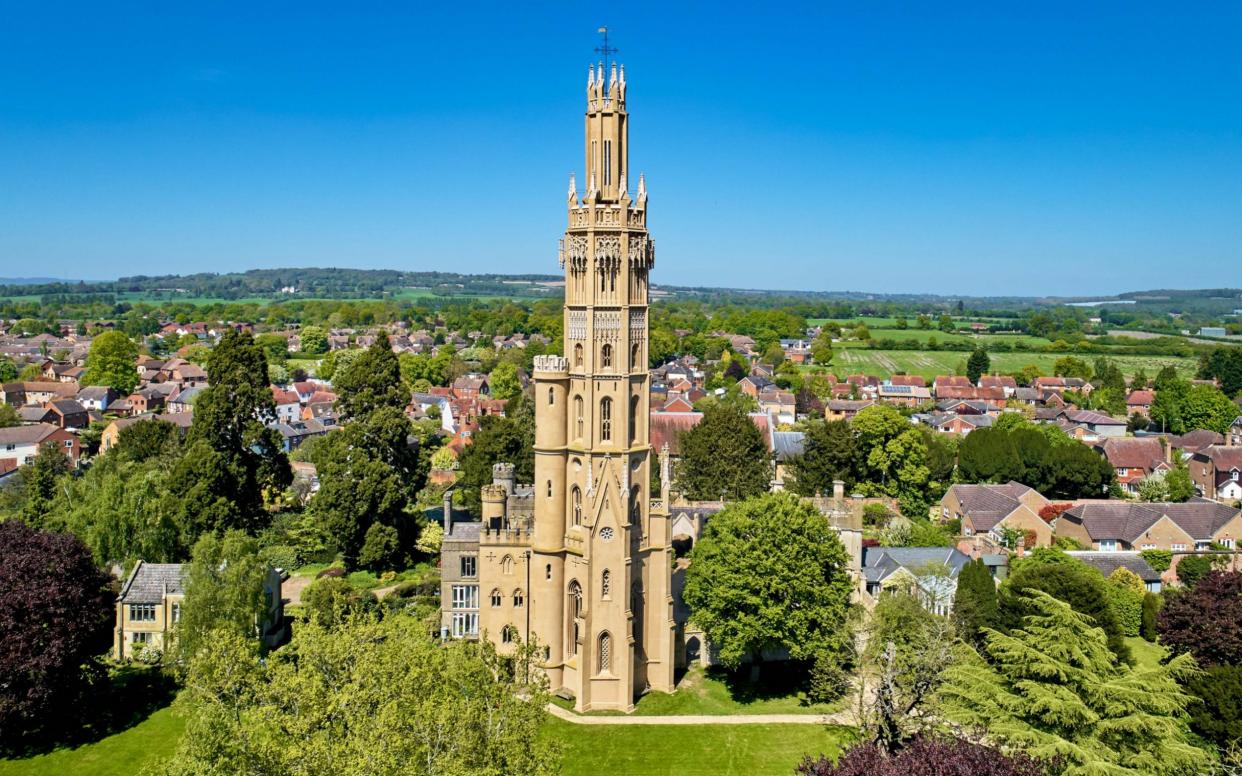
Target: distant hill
(32, 281)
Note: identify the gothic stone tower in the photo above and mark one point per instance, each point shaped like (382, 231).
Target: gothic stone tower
(601, 557)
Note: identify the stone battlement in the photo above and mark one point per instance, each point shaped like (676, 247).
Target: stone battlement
(551, 364)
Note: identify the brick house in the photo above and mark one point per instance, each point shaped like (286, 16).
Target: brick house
(1217, 472)
(988, 509)
(1108, 526)
(1134, 459)
(21, 443)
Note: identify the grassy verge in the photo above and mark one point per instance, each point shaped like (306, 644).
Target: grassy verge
(691, 750)
(149, 742)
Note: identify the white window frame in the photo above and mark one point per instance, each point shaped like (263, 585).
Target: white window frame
(465, 597)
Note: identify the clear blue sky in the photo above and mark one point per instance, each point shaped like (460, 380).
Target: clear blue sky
(982, 148)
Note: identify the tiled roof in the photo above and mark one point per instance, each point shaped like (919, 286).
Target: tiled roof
(1197, 439)
(1145, 453)
(26, 435)
(880, 562)
(1128, 521)
(149, 582)
(1108, 562)
(987, 505)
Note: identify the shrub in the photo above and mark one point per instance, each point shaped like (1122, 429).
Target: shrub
(330, 599)
(876, 514)
(281, 556)
(1125, 596)
(1192, 568)
(148, 655)
(830, 680)
(1216, 713)
(925, 757)
(331, 571)
(1151, 612)
(1159, 560)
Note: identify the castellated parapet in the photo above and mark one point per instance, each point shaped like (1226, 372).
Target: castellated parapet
(551, 364)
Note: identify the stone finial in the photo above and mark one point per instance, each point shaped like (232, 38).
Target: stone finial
(624, 186)
(573, 188)
(642, 185)
(590, 77)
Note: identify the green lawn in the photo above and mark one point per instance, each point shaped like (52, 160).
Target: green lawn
(1146, 654)
(124, 754)
(930, 363)
(685, 750)
(715, 692)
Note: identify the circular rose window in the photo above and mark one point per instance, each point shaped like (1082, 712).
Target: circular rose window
(605, 533)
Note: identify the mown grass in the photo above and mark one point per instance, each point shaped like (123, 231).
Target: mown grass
(691, 750)
(126, 753)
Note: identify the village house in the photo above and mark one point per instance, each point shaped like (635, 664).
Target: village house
(1192, 442)
(1006, 383)
(930, 573)
(67, 413)
(844, 409)
(1108, 562)
(1217, 472)
(904, 395)
(1139, 402)
(1108, 526)
(21, 444)
(1134, 459)
(288, 405)
(112, 432)
(97, 397)
(149, 608)
(990, 509)
(23, 393)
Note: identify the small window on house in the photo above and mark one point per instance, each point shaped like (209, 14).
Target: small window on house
(551, 396)
(575, 499)
(143, 637)
(69, 444)
(635, 351)
(506, 565)
(578, 414)
(496, 598)
(578, 354)
(507, 634)
(519, 600)
(142, 612)
(469, 566)
(605, 356)
(547, 571)
(176, 612)
(605, 584)
(549, 488)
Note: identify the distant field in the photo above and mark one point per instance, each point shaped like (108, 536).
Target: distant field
(929, 363)
(919, 335)
(404, 295)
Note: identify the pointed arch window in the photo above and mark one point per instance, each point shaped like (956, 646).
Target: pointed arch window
(605, 584)
(551, 396)
(496, 597)
(506, 565)
(508, 634)
(633, 420)
(578, 354)
(605, 652)
(575, 500)
(636, 351)
(519, 599)
(578, 414)
(605, 356)
(605, 419)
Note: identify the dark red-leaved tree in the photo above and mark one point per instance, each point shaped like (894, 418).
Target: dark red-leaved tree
(925, 757)
(1205, 620)
(55, 622)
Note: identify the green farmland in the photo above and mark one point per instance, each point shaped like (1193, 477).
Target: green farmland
(929, 363)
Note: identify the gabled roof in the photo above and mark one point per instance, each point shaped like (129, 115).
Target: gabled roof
(986, 505)
(1197, 440)
(26, 435)
(1108, 562)
(1128, 521)
(148, 583)
(879, 563)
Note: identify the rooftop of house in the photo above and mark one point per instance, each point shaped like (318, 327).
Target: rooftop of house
(879, 563)
(1108, 562)
(1197, 440)
(986, 505)
(26, 435)
(1134, 453)
(1128, 521)
(148, 583)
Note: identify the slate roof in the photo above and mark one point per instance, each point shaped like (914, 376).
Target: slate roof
(1128, 521)
(1197, 440)
(788, 444)
(881, 562)
(148, 582)
(1108, 562)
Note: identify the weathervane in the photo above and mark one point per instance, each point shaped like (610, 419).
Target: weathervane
(605, 50)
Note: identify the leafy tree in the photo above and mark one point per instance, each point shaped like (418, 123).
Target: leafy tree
(504, 381)
(56, 622)
(1206, 407)
(364, 696)
(510, 439)
(1216, 713)
(112, 361)
(30, 373)
(769, 573)
(990, 455)
(725, 455)
(232, 457)
(224, 594)
(1151, 612)
(275, 346)
(336, 359)
(1205, 620)
(894, 457)
(977, 365)
(946, 324)
(975, 605)
(9, 416)
(1225, 365)
(147, 439)
(1075, 471)
(1071, 366)
(370, 381)
(8, 370)
(313, 340)
(1166, 407)
(1193, 568)
(1177, 483)
(925, 756)
(1068, 580)
(39, 480)
(1125, 594)
(908, 649)
(1053, 688)
(329, 601)
(830, 453)
(821, 349)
